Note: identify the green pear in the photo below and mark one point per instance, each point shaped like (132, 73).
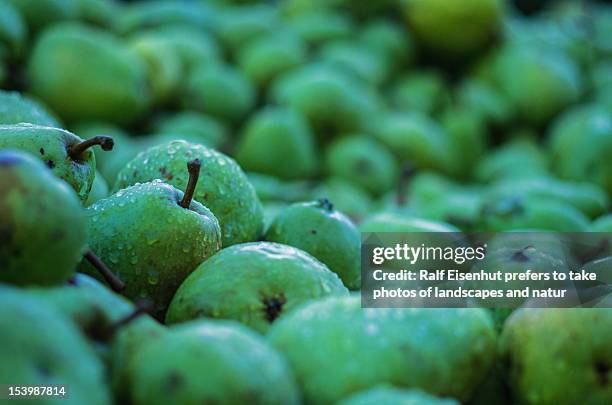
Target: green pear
(394, 222)
(336, 348)
(99, 190)
(363, 161)
(41, 347)
(486, 100)
(556, 356)
(77, 85)
(220, 91)
(421, 91)
(98, 313)
(459, 208)
(560, 29)
(264, 59)
(435, 197)
(590, 199)
(161, 13)
(206, 362)
(269, 188)
(391, 39)
(331, 101)
(68, 156)
(417, 139)
(114, 327)
(236, 26)
(363, 61)
(348, 198)
(580, 143)
(253, 283)
(125, 343)
(197, 127)
(39, 14)
(503, 161)
(440, 25)
(13, 30)
(520, 70)
(467, 133)
(193, 46)
(387, 395)
(320, 26)
(317, 228)
(517, 253)
(16, 108)
(504, 213)
(278, 142)
(223, 188)
(153, 236)
(164, 67)
(42, 231)
(101, 13)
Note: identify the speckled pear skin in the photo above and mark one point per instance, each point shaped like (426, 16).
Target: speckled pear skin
(149, 240)
(42, 225)
(210, 363)
(223, 187)
(253, 283)
(51, 146)
(388, 395)
(330, 236)
(39, 346)
(337, 348)
(559, 355)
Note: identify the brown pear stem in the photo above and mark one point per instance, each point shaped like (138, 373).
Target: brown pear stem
(105, 142)
(142, 308)
(115, 283)
(402, 185)
(193, 166)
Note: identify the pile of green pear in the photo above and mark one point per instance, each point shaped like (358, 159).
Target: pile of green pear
(184, 188)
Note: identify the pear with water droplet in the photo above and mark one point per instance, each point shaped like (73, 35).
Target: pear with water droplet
(254, 283)
(68, 156)
(153, 236)
(330, 236)
(223, 187)
(42, 225)
(210, 363)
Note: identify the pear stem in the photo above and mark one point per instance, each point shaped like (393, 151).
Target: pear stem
(141, 309)
(105, 142)
(193, 166)
(402, 185)
(115, 283)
